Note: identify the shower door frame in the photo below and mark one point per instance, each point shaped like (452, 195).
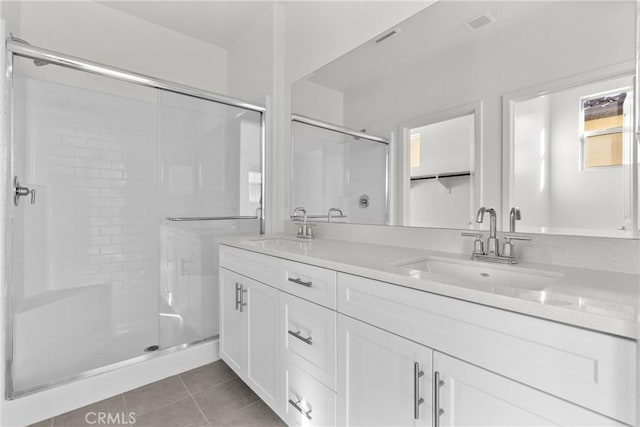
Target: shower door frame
(22, 49)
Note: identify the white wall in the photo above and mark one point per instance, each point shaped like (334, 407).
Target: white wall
(531, 188)
(317, 101)
(251, 60)
(92, 31)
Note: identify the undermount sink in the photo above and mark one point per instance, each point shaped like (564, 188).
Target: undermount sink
(478, 275)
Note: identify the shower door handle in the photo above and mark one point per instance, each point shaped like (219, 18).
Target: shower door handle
(20, 191)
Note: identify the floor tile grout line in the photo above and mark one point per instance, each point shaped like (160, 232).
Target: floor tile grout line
(124, 400)
(218, 384)
(247, 405)
(171, 402)
(206, 420)
(211, 386)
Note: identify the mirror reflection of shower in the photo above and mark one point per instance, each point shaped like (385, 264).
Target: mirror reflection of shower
(334, 168)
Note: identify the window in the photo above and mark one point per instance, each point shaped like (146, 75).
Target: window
(603, 124)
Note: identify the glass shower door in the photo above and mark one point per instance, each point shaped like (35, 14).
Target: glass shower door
(84, 270)
(211, 187)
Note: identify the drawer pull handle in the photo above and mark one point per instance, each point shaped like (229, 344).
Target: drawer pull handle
(300, 337)
(299, 408)
(242, 302)
(417, 400)
(299, 281)
(437, 410)
(237, 296)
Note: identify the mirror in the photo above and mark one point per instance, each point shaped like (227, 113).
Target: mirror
(454, 88)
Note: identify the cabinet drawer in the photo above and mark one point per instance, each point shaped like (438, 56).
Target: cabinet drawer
(591, 369)
(315, 284)
(262, 268)
(309, 336)
(309, 402)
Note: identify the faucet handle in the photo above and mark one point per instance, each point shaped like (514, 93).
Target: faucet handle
(469, 234)
(309, 231)
(478, 244)
(507, 249)
(509, 237)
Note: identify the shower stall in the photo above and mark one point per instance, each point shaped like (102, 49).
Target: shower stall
(119, 187)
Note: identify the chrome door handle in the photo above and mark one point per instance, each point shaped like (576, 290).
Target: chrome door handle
(20, 191)
(299, 281)
(242, 303)
(298, 408)
(417, 400)
(300, 337)
(237, 296)
(437, 411)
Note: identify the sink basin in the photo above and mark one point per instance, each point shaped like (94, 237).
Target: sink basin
(496, 278)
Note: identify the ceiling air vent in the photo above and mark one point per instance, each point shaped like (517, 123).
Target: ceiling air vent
(478, 22)
(387, 35)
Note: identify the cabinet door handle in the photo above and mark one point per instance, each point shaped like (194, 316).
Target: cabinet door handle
(437, 411)
(237, 296)
(299, 281)
(417, 400)
(242, 303)
(300, 337)
(299, 408)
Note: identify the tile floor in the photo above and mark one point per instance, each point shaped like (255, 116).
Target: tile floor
(211, 395)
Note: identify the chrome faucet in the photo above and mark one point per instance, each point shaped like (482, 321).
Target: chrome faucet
(332, 210)
(492, 241)
(305, 230)
(493, 249)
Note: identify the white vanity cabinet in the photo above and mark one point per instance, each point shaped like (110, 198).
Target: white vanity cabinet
(323, 347)
(279, 336)
(383, 379)
(248, 333)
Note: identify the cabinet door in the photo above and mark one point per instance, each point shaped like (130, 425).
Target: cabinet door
(379, 380)
(262, 340)
(232, 323)
(471, 396)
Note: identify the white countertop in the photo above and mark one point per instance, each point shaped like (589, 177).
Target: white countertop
(599, 300)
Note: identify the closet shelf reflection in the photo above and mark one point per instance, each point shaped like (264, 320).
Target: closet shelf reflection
(441, 175)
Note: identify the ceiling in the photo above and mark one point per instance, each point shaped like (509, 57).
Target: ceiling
(216, 22)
